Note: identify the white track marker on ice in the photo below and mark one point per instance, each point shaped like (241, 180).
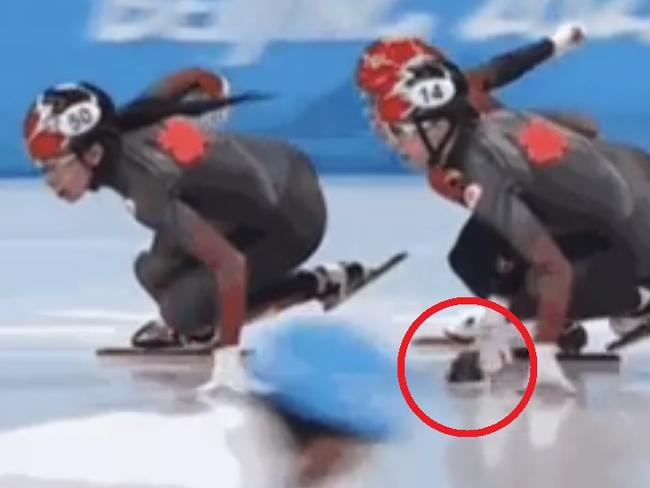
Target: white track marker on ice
(78, 449)
(98, 315)
(42, 331)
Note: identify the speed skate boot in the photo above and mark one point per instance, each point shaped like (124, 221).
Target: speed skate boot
(463, 332)
(634, 327)
(155, 334)
(465, 368)
(572, 340)
(337, 281)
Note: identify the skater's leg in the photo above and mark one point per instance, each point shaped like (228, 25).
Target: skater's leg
(163, 263)
(185, 290)
(488, 266)
(273, 260)
(189, 304)
(604, 285)
(328, 284)
(279, 280)
(179, 285)
(485, 262)
(186, 297)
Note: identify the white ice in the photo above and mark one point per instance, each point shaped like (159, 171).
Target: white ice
(70, 420)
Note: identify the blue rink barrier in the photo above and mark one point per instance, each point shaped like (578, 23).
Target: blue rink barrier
(305, 53)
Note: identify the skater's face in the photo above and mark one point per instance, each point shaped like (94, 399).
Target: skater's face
(70, 176)
(407, 141)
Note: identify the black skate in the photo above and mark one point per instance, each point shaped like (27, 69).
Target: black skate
(465, 368)
(573, 339)
(156, 335)
(632, 337)
(638, 333)
(463, 334)
(571, 345)
(571, 342)
(338, 282)
(343, 280)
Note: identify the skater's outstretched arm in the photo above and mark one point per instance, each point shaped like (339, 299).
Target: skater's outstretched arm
(508, 67)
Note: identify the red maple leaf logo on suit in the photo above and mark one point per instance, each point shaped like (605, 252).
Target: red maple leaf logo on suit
(184, 141)
(544, 144)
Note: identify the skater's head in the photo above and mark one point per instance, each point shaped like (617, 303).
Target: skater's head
(66, 132)
(73, 130)
(417, 98)
(378, 70)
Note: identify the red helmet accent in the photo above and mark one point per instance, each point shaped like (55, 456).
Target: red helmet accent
(381, 63)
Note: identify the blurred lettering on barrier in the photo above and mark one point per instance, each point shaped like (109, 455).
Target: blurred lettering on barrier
(602, 18)
(304, 20)
(253, 24)
(250, 25)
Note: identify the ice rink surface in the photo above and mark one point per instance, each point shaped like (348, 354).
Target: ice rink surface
(71, 420)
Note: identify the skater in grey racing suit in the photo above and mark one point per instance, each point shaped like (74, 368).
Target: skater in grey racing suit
(531, 180)
(233, 216)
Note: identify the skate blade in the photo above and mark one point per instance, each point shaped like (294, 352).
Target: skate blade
(638, 334)
(187, 351)
(372, 275)
(154, 352)
(443, 340)
(457, 339)
(522, 353)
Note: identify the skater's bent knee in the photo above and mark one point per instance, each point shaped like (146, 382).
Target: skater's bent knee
(150, 271)
(140, 266)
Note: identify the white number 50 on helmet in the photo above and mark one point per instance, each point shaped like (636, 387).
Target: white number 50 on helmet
(79, 118)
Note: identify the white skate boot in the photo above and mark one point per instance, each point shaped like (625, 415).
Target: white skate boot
(634, 327)
(572, 340)
(336, 281)
(465, 331)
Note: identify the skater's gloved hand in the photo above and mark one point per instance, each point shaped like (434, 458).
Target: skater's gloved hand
(549, 371)
(566, 37)
(227, 371)
(494, 342)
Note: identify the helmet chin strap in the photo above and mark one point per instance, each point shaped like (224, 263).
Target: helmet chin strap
(435, 154)
(110, 140)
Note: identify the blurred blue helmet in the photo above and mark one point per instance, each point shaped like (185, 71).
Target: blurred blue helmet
(327, 373)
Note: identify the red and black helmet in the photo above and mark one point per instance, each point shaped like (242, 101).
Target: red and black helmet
(406, 78)
(380, 65)
(410, 84)
(66, 118)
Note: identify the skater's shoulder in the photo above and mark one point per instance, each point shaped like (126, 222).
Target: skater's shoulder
(487, 151)
(503, 119)
(486, 133)
(255, 140)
